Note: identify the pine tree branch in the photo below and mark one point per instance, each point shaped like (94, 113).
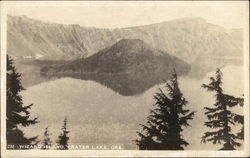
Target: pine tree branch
(208, 87)
(184, 119)
(214, 124)
(211, 110)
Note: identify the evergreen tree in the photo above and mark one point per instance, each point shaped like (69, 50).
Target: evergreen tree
(46, 144)
(220, 118)
(63, 137)
(240, 120)
(17, 115)
(166, 121)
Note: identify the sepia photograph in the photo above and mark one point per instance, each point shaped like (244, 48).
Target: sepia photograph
(124, 78)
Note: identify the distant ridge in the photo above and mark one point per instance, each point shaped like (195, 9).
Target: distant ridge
(185, 38)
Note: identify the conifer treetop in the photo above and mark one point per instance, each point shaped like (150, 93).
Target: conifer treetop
(166, 121)
(220, 117)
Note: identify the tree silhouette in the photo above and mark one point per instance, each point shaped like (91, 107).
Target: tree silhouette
(220, 118)
(240, 120)
(46, 144)
(63, 137)
(166, 121)
(17, 115)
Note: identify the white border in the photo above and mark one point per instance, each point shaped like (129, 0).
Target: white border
(112, 153)
(3, 75)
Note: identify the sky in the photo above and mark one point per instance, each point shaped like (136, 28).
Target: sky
(117, 14)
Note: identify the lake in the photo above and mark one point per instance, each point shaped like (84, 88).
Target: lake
(97, 114)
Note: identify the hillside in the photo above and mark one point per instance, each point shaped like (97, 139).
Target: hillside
(188, 39)
(125, 56)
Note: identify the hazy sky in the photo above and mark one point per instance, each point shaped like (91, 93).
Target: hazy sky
(124, 14)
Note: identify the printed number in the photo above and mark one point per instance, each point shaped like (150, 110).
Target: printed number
(10, 146)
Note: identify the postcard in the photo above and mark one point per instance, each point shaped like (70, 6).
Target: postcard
(124, 78)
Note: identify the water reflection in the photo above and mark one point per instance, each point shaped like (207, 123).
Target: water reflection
(124, 84)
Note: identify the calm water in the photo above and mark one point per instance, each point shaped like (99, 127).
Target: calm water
(97, 113)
